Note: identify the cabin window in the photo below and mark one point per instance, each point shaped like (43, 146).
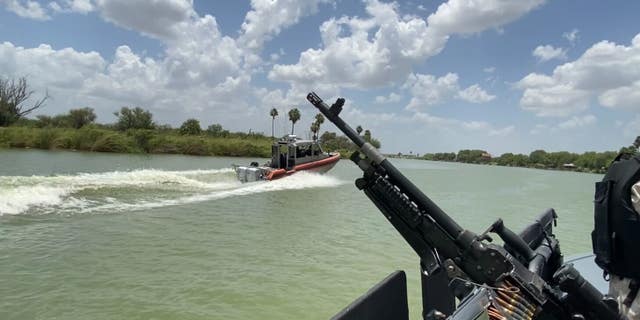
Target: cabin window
(300, 151)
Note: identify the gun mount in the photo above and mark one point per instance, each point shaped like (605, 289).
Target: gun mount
(523, 279)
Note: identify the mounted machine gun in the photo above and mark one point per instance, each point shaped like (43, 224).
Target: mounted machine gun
(523, 279)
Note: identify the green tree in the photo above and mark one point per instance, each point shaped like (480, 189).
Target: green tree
(331, 141)
(79, 118)
(368, 138)
(136, 118)
(560, 158)
(57, 121)
(273, 113)
(513, 160)
(44, 121)
(190, 127)
(164, 128)
(506, 159)
(520, 160)
(540, 157)
(314, 128)
(471, 156)
(319, 120)
(13, 97)
(216, 130)
(294, 116)
(442, 156)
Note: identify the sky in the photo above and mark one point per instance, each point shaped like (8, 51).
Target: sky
(423, 76)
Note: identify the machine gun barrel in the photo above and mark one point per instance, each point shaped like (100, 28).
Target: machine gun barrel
(448, 225)
(521, 269)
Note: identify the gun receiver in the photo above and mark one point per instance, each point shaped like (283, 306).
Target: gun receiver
(469, 261)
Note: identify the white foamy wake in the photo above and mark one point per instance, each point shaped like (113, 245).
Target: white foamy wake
(134, 190)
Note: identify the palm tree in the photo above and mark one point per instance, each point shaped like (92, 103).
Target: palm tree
(315, 127)
(367, 135)
(273, 114)
(359, 129)
(294, 116)
(319, 120)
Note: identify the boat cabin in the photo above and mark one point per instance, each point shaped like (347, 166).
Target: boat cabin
(290, 151)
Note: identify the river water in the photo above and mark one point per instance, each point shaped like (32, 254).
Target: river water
(105, 236)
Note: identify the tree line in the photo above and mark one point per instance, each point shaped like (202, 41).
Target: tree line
(330, 140)
(596, 162)
(138, 124)
(134, 130)
(15, 95)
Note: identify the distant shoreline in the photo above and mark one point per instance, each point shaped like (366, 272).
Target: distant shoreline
(93, 139)
(97, 138)
(532, 166)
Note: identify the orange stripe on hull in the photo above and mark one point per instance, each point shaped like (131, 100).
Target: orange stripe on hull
(279, 173)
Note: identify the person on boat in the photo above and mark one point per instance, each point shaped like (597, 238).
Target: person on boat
(616, 233)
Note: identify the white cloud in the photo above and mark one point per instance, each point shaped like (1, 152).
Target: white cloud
(392, 97)
(267, 18)
(502, 132)
(458, 126)
(198, 72)
(363, 53)
(571, 36)
(200, 69)
(576, 122)
(383, 47)
(554, 101)
(625, 97)
(539, 129)
(606, 70)
(155, 18)
(475, 94)
(72, 6)
(470, 16)
(489, 69)
(427, 90)
(26, 9)
(196, 52)
(45, 66)
(63, 73)
(535, 80)
(548, 52)
(129, 79)
(422, 121)
(371, 120)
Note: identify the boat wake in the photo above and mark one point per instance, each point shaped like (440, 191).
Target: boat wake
(120, 191)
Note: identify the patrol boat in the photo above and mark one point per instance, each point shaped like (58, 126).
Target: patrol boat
(289, 154)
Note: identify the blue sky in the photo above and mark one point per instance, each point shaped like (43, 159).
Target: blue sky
(423, 76)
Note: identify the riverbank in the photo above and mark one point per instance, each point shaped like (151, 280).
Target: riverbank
(134, 141)
(598, 163)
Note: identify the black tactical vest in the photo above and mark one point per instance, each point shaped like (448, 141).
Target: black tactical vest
(616, 236)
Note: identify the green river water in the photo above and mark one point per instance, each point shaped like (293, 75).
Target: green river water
(104, 236)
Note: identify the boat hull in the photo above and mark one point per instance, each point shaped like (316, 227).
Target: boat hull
(250, 174)
(320, 166)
